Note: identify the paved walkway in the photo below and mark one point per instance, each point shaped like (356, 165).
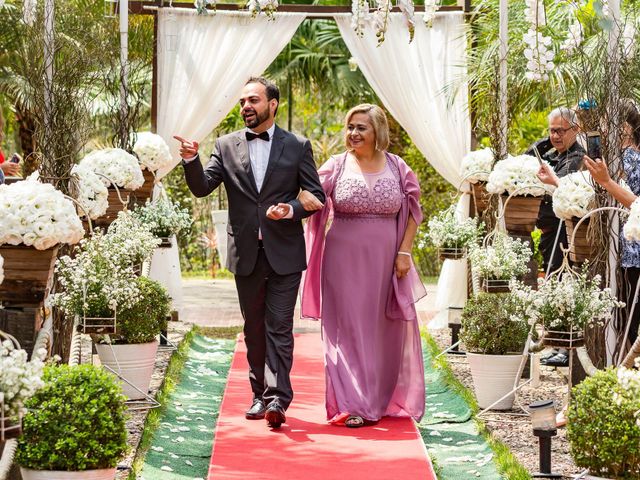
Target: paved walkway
(214, 303)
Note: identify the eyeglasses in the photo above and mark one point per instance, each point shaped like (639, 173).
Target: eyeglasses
(559, 131)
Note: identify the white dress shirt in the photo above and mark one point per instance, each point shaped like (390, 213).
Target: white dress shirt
(259, 151)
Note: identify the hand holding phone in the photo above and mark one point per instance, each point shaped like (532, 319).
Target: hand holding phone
(15, 158)
(594, 150)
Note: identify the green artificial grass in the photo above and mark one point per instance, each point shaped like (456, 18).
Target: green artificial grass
(460, 446)
(178, 436)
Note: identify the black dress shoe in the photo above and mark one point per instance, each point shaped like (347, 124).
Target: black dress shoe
(256, 412)
(558, 360)
(275, 415)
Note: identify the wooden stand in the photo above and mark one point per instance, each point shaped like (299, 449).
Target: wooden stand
(521, 214)
(27, 274)
(480, 196)
(145, 192)
(581, 249)
(116, 205)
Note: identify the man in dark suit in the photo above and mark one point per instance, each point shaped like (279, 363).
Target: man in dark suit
(263, 169)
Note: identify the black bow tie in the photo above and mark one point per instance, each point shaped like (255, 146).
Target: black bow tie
(262, 136)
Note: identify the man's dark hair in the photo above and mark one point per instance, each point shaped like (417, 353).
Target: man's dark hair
(271, 88)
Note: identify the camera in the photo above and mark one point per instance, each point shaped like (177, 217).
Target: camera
(593, 145)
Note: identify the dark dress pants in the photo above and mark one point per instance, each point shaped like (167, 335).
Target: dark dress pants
(267, 301)
(631, 276)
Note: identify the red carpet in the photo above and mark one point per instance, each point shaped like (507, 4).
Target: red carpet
(306, 447)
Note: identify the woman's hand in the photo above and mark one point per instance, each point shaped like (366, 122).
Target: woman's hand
(546, 175)
(598, 170)
(309, 201)
(403, 264)
(10, 169)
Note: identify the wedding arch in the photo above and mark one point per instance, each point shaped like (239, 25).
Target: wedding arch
(203, 61)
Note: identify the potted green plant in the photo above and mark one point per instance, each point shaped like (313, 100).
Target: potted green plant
(500, 260)
(75, 426)
(606, 407)
(451, 236)
(494, 333)
(131, 351)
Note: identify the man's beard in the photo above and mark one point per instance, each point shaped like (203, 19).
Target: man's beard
(258, 118)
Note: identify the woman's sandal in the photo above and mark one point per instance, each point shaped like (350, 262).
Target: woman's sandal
(356, 421)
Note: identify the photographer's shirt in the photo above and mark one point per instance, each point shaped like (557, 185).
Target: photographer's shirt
(630, 251)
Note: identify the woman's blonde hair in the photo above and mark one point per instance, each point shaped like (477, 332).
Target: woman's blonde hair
(378, 121)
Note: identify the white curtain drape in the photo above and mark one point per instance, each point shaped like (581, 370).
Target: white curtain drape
(411, 79)
(204, 62)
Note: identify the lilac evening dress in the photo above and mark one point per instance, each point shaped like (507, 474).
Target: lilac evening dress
(373, 363)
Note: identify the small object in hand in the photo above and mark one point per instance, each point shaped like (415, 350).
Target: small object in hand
(15, 158)
(593, 145)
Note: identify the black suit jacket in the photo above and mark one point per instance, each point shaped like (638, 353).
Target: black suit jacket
(290, 169)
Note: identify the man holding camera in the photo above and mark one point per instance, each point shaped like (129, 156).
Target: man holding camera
(564, 154)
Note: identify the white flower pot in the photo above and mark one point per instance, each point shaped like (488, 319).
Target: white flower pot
(165, 269)
(220, 220)
(133, 362)
(102, 474)
(493, 377)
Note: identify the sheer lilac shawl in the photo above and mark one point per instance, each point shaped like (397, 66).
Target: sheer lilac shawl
(406, 290)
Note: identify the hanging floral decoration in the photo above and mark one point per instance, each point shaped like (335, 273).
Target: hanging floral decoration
(381, 19)
(359, 14)
(575, 33)
(201, 6)
(430, 9)
(538, 54)
(29, 9)
(268, 7)
(406, 7)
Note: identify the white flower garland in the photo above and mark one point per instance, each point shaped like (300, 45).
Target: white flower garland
(381, 19)
(430, 9)
(539, 56)
(153, 152)
(514, 173)
(476, 166)
(117, 165)
(92, 194)
(574, 196)
(631, 229)
(38, 215)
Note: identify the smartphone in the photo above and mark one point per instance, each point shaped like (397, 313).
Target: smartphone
(15, 158)
(593, 145)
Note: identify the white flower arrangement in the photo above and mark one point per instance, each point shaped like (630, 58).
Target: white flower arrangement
(476, 166)
(575, 34)
(163, 218)
(359, 16)
(447, 231)
(430, 9)
(152, 151)
(629, 383)
(91, 192)
(569, 303)
(1, 269)
(96, 282)
(201, 6)
(38, 215)
(516, 174)
(381, 19)
(268, 7)
(504, 259)
(631, 229)
(19, 377)
(574, 196)
(538, 54)
(120, 168)
(129, 241)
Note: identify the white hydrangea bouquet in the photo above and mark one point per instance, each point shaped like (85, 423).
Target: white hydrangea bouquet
(19, 377)
(163, 218)
(504, 259)
(152, 151)
(38, 215)
(446, 231)
(574, 196)
(118, 166)
(91, 193)
(631, 229)
(476, 166)
(516, 174)
(569, 302)
(95, 282)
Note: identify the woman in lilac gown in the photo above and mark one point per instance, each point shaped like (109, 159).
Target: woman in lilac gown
(360, 279)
